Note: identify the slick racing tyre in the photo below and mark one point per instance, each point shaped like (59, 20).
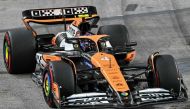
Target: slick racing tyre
(47, 90)
(119, 39)
(58, 80)
(118, 35)
(165, 74)
(19, 51)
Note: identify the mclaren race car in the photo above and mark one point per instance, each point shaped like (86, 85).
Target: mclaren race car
(77, 68)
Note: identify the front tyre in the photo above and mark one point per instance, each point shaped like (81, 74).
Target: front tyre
(165, 74)
(47, 90)
(58, 83)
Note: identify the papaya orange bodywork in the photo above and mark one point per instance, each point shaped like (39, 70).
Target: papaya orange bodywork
(111, 70)
(130, 56)
(95, 38)
(55, 89)
(48, 58)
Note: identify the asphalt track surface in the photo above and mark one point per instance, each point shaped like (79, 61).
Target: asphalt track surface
(164, 29)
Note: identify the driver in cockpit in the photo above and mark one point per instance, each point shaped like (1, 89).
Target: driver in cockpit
(75, 29)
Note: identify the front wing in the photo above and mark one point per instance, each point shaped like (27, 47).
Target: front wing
(142, 98)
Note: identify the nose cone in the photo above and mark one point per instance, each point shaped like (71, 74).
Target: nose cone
(110, 70)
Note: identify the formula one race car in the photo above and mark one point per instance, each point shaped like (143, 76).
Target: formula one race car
(97, 70)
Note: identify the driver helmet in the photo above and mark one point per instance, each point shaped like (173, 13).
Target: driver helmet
(73, 30)
(79, 28)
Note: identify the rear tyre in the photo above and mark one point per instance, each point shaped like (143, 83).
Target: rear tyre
(119, 39)
(118, 34)
(61, 74)
(165, 74)
(19, 51)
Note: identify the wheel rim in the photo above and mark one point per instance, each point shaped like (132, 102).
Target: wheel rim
(6, 54)
(47, 85)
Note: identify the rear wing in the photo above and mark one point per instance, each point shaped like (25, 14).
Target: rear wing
(59, 15)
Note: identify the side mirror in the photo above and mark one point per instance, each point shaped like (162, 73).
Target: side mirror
(131, 44)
